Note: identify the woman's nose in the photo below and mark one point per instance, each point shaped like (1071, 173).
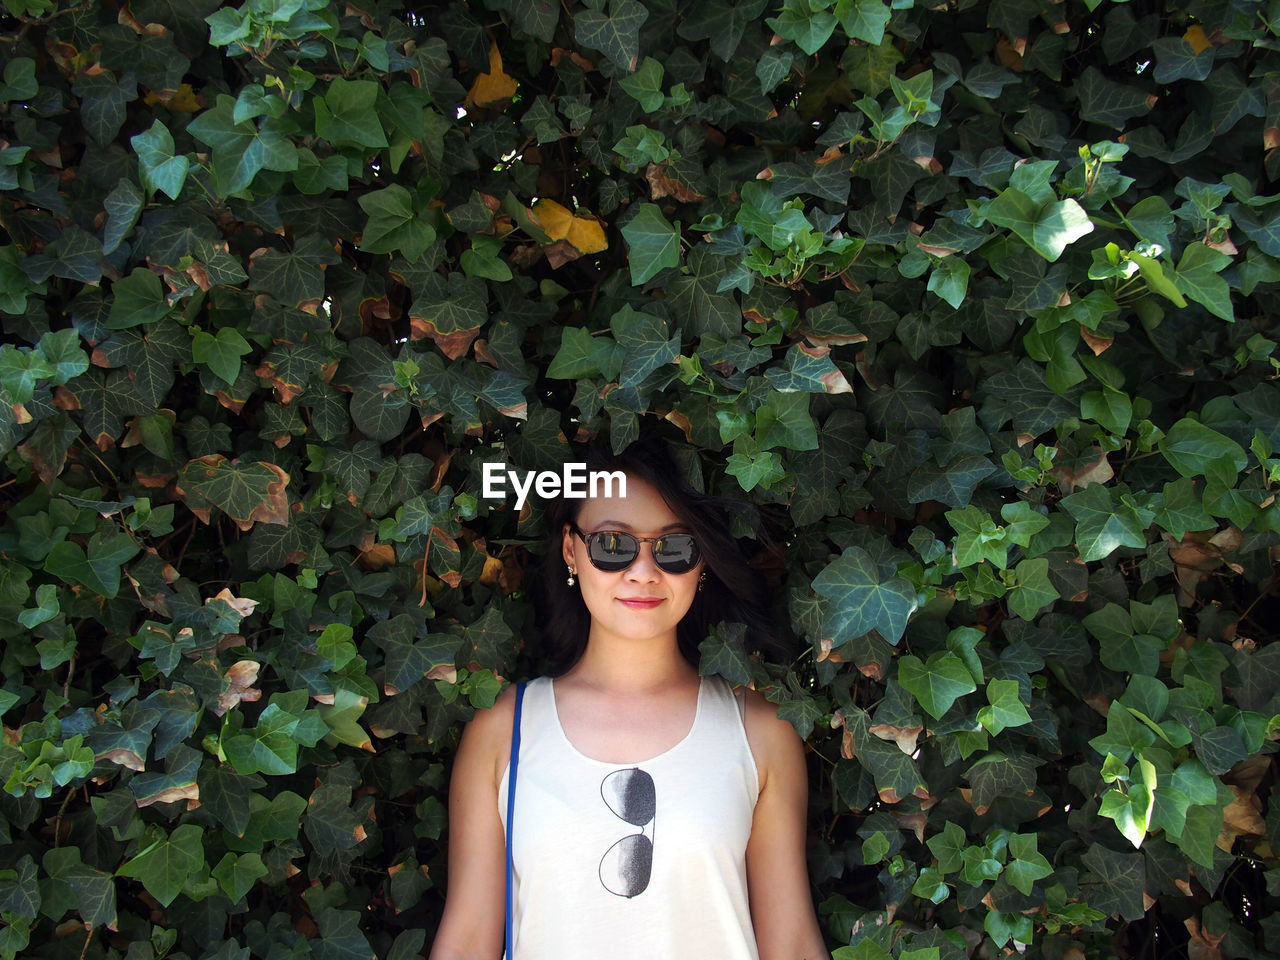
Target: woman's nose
(644, 567)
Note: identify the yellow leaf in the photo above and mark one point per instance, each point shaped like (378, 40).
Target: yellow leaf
(182, 100)
(1196, 37)
(587, 234)
(583, 233)
(492, 87)
(553, 218)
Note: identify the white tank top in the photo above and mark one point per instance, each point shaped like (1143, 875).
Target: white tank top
(633, 860)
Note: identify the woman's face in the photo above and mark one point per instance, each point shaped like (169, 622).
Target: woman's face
(642, 601)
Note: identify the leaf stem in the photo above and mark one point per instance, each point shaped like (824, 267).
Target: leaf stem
(57, 822)
(94, 453)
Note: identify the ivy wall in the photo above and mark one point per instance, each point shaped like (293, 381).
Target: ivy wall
(976, 300)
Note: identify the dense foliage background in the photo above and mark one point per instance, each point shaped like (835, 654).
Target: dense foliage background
(975, 299)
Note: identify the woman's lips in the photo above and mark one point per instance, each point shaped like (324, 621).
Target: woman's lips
(640, 603)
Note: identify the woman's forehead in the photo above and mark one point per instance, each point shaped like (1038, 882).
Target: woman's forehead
(641, 509)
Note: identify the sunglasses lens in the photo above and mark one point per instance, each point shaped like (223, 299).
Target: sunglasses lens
(612, 551)
(631, 795)
(626, 866)
(677, 553)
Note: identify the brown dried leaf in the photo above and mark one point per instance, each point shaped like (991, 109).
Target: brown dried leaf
(241, 605)
(1096, 471)
(377, 556)
(1099, 345)
(661, 185)
(904, 737)
(240, 677)
(452, 345)
(124, 758)
(1202, 945)
(1242, 817)
(681, 421)
(189, 792)
(560, 253)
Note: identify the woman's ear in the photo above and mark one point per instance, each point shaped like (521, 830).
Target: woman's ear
(566, 547)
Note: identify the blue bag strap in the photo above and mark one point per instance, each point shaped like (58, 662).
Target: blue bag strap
(511, 812)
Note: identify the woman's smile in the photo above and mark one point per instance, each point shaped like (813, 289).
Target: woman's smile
(640, 603)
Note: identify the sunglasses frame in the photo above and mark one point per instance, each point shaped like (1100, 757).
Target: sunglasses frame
(587, 537)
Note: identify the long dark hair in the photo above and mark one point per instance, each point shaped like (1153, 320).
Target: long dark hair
(733, 591)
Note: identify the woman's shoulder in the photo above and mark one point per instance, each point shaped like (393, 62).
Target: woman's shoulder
(773, 741)
(492, 726)
(488, 735)
(762, 714)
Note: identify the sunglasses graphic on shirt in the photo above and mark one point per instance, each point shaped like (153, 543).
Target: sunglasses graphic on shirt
(626, 866)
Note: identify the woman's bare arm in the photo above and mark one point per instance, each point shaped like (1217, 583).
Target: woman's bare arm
(472, 925)
(782, 913)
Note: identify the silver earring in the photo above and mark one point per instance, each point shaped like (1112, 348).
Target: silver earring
(702, 578)
(569, 580)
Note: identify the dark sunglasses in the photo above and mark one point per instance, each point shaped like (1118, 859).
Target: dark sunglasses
(613, 550)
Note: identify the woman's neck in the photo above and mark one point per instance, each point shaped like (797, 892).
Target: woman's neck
(625, 668)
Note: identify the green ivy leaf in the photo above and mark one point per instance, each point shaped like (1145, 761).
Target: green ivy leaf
(753, 467)
(92, 891)
(953, 484)
(249, 493)
(220, 353)
(784, 421)
(347, 115)
(1028, 864)
(1102, 526)
(1190, 447)
(1107, 102)
(19, 78)
(948, 846)
(978, 538)
(293, 277)
(178, 782)
(98, 568)
(862, 599)
(864, 20)
(616, 35)
(161, 167)
(724, 652)
(584, 355)
(240, 150)
(654, 244)
(165, 864)
(123, 206)
(1047, 228)
(226, 26)
(809, 28)
(269, 747)
(1032, 589)
(645, 85)
(393, 225)
(1004, 709)
(1199, 277)
(236, 875)
(1003, 927)
(137, 299)
(938, 682)
(342, 718)
(20, 893)
(1001, 775)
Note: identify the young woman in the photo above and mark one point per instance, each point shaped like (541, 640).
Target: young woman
(658, 815)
